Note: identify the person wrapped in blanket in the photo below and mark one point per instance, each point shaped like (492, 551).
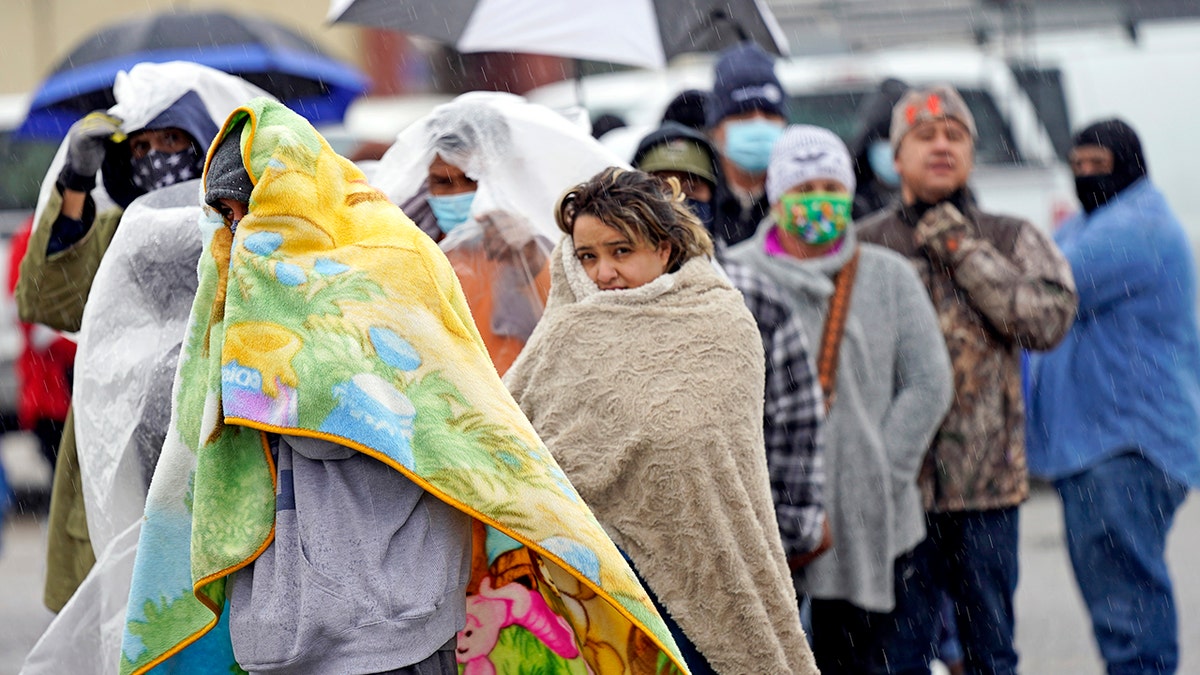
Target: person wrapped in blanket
(480, 175)
(645, 379)
(153, 137)
(357, 545)
(339, 437)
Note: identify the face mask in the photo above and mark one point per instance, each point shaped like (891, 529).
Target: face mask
(703, 211)
(451, 210)
(748, 144)
(815, 217)
(1096, 191)
(882, 161)
(158, 170)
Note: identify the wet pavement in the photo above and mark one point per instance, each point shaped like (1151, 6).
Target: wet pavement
(1053, 636)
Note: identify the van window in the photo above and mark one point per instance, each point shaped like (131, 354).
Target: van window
(838, 112)
(995, 144)
(834, 110)
(23, 164)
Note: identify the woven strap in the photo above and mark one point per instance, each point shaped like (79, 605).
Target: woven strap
(835, 327)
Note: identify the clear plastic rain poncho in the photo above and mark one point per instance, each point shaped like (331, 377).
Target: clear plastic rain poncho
(523, 157)
(133, 326)
(143, 93)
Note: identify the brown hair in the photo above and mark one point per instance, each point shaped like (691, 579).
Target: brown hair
(642, 207)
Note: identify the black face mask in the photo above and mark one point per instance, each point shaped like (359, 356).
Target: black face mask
(161, 169)
(1129, 164)
(1097, 190)
(703, 211)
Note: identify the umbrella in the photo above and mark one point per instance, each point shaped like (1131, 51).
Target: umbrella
(265, 53)
(643, 33)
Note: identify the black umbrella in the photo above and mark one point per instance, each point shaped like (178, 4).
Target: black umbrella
(265, 53)
(635, 32)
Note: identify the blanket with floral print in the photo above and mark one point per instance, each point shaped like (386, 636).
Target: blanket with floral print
(327, 313)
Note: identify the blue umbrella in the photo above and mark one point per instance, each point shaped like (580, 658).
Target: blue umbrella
(280, 61)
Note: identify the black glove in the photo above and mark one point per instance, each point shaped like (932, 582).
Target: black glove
(85, 149)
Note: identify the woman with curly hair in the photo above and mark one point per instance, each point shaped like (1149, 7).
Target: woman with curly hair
(645, 380)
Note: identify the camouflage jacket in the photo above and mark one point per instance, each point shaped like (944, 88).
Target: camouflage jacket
(999, 286)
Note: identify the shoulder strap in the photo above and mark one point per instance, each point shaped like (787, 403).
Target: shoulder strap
(835, 327)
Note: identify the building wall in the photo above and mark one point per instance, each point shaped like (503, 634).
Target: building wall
(35, 35)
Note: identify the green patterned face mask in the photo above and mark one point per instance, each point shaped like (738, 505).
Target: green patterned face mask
(815, 217)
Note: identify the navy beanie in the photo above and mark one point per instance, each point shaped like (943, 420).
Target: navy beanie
(744, 80)
(689, 108)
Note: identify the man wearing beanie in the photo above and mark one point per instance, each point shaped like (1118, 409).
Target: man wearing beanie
(885, 376)
(998, 286)
(746, 115)
(1114, 415)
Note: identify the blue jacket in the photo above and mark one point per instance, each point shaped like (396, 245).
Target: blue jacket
(1127, 376)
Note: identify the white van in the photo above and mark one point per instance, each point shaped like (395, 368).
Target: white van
(1017, 171)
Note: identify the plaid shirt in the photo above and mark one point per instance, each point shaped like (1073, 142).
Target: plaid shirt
(793, 414)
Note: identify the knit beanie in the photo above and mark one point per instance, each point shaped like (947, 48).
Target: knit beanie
(924, 104)
(689, 108)
(227, 177)
(805, 152)
(744, 80)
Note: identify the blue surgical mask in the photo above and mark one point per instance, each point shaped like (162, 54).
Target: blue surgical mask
(749, 143)
(883, 162)
(451, 210)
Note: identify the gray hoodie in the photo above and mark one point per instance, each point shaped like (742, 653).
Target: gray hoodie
(367, 572)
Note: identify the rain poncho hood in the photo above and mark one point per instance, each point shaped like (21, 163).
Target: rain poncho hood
(143, 94)
(522, 156)
(329, 315)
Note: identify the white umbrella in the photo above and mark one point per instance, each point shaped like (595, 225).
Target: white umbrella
(644, 33)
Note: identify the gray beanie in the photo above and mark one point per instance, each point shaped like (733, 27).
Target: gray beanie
(920, 105)
(226, 177)
(805, 152)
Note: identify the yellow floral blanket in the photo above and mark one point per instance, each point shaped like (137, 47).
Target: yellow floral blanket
(329, 314)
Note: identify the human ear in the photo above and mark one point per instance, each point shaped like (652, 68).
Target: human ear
(663, 252)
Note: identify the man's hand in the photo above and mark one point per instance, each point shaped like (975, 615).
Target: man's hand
(85, 149)
(941, 231)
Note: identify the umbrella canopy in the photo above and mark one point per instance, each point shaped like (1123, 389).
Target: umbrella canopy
(281, 62)
(644, 33)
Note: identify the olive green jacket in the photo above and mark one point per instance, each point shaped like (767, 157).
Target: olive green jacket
(52, 290)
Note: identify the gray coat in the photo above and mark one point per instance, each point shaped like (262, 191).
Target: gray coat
(893, 388)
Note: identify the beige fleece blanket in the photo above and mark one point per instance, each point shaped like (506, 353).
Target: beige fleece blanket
(651, 400)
